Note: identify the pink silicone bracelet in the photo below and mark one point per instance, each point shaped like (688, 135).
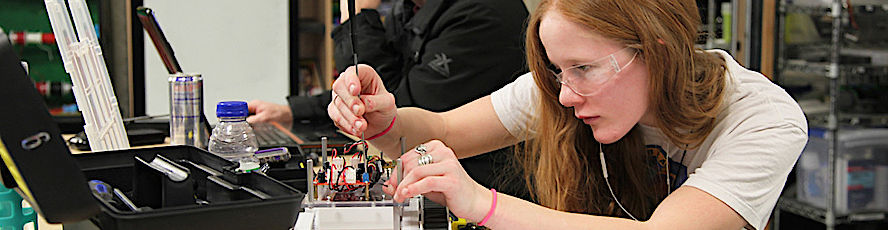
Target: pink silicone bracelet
(384, 131)
(492, 207)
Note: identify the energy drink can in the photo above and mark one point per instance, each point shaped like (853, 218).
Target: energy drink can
(187, 125)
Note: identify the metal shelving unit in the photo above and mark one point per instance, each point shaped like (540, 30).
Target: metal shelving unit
(797, 207)
(812, 10)
(849, 119)
(824, 68)
(734, 26)
(836, 75)
(713, 27)
(711, 15)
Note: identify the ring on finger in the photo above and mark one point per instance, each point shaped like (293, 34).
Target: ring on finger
(425, 159)
(421, 149)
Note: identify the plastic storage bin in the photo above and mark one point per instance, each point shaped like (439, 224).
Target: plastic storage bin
(227, 208)
(12, 215)
(862, 163)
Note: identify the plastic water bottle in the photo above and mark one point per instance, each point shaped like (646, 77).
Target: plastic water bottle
(233, 138)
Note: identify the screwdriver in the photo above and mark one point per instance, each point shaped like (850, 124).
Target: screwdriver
(354, 43)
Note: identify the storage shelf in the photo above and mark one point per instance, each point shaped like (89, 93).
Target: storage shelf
(822, 68)
(812, 10)
(819, 10)
(828, 61)
(824, 47)
(805, 67)
(794, 206)
(850, 119)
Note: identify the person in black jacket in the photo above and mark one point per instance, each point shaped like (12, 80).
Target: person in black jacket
(432, 54)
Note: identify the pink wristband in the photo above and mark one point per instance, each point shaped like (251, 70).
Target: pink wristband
(492, 207)
(384, 131)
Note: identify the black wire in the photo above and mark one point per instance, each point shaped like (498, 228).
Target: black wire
(354, 43)
(338, 180)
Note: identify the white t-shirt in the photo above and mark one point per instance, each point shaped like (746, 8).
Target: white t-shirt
(744, 161)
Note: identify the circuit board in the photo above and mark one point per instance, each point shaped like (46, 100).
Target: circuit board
(357, 177)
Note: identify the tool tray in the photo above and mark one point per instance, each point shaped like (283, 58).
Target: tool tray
(39, 166)
(200, 201)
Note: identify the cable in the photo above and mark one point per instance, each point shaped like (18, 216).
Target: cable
(668, 184)
(604, 171)
(359, 153)
(606, 181)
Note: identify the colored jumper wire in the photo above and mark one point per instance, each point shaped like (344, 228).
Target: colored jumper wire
(354, 43)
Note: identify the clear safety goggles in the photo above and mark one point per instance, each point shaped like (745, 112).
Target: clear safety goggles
(586, 79)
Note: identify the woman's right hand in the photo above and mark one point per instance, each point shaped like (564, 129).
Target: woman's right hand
(361, 104)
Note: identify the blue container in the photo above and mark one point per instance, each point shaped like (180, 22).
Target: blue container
(12, 215)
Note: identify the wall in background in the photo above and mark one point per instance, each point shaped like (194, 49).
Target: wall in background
(531, 4)
(240, 48)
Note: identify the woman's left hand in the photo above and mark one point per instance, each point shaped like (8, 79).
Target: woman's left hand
(443, 181)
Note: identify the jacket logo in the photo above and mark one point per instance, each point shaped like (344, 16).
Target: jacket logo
(440, 64)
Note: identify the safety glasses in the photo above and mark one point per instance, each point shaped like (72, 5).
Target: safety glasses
(586, 79)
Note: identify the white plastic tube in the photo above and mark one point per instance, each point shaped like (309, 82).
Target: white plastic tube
(83, 60)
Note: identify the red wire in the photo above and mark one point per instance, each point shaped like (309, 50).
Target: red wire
(364, 143)
(356, 143)
(349, 149)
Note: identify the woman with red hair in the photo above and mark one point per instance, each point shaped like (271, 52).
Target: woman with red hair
(622, 117)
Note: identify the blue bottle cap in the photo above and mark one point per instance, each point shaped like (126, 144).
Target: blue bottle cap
(231, 109)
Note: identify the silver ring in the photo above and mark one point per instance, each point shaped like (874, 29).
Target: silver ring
(425, 159)
(421, 149)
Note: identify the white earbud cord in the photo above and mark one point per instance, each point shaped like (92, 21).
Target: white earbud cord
(606, 181)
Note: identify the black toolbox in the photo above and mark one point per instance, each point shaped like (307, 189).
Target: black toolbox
(38, 164)
(208, 203)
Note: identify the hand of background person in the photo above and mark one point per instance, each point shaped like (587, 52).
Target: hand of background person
(443, 181)
(371, 112)
(359, 4)
(264, 111)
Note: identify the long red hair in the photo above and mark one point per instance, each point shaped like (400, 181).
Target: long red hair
(561, 158)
